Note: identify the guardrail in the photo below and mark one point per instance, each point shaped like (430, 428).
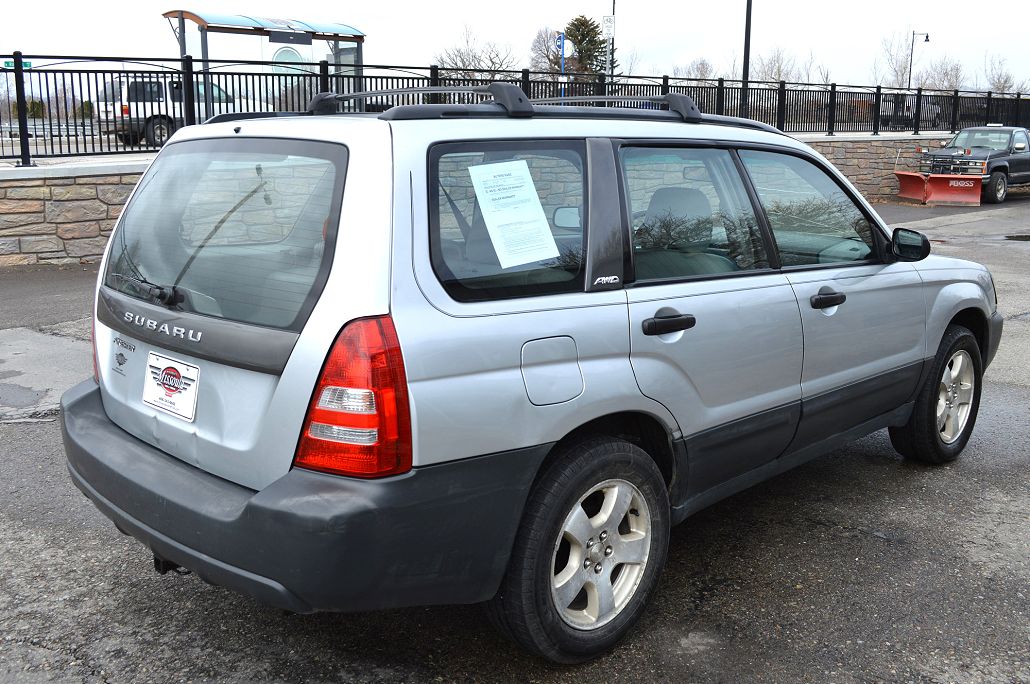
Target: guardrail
(52, 106)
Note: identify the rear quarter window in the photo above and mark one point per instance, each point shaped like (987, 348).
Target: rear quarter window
(507, 219)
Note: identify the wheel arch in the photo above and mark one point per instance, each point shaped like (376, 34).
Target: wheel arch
(974, 320)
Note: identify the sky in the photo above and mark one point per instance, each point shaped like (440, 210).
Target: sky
(656, 35)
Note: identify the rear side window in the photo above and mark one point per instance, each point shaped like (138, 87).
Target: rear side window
(112, 92)
(146, 91)
(691, 214)
(242, 229)
(812, 219)
(507, 219)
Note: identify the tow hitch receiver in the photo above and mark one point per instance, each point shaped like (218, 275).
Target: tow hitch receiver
(163, 566)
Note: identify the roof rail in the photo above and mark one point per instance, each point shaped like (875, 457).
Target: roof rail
(507, 95)
(677, 102)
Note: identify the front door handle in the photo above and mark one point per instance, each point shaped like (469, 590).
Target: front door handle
(660, 325)
(827, 298)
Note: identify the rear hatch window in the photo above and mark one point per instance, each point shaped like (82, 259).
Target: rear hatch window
(240, 229)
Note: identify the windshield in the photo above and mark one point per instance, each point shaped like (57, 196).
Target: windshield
(982, 138)
(240, 229)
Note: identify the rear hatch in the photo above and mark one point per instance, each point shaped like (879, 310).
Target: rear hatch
(215, 269)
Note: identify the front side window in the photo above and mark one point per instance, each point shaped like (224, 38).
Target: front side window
(812, 219)
(691, 214)
(1020, 137)
(507, 219)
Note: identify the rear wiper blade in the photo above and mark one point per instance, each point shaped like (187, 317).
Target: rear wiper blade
(169, 295)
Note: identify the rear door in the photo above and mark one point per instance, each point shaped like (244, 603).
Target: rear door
(864, 319)
(216, 266)
(715, 331)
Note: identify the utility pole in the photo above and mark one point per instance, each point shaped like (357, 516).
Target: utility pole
(747, 62)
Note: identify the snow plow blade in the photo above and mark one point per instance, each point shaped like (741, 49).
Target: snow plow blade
(939, 189)
(948, 190)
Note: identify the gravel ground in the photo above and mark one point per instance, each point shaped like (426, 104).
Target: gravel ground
(856, 567)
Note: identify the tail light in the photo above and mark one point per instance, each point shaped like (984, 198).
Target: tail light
(125, 110)
(358, 422)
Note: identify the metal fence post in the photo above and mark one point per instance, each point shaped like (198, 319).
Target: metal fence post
(877, 102)
(918, 113)
(720, 98)
(1019, 113)
(525, 83)
(955, 100)
(600, 89)
(781, 106)
(987, 114)
(189, 101)
(434, 82)
(665, 84)
(23, 110)
(323, 76)
(831, 110)
(745, 110)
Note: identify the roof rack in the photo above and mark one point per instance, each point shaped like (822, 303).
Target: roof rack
(507, 95)
(677, 102)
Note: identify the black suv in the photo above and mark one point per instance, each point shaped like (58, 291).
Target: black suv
(1000, 155)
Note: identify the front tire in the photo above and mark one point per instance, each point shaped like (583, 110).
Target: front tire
(588, 553)
(947, 405)
(997, 188)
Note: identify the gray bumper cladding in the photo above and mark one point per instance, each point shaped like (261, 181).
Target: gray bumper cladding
(308, 542)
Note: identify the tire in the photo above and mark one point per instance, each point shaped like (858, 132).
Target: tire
(582, 493)
(997, 188)
(129, 139)
(158, 130)
(946, 406)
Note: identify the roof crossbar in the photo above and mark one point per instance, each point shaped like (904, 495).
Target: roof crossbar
(677, 102)
(507, 95)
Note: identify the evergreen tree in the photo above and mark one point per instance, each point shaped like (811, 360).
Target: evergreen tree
(591, 47)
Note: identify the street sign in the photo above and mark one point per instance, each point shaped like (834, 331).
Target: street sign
(9, 64)
(608, 26)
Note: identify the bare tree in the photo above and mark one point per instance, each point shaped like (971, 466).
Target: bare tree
(942, 74)
(778, 65)
(473, 60)
(632, 62)
(543, 53)
(999, 78)
(891, 67)
(700, 68)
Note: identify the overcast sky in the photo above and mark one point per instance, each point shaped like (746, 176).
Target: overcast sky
(845, 37)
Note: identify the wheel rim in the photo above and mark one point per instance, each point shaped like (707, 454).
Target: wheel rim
(955, 396)
(1002, 187)
(160, 132)
(600, 555)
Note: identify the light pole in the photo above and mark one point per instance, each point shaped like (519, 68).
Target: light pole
(912, 52)
(747, 62)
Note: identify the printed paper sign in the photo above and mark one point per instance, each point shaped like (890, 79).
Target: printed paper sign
(511, 209)
(171, 386)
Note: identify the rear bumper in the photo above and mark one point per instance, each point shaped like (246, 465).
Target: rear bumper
(308, 542)
(994, 327)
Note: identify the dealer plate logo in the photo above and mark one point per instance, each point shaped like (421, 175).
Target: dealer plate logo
(171, 386)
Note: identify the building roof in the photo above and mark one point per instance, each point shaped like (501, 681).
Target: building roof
(261, 26)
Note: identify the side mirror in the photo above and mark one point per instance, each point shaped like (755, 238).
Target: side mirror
(909, 245)
(567, 217)
(1019, 147)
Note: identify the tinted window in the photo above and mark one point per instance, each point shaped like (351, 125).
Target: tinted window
(812, 219)
(691, 214)
(242, 228)
(112, 92)
(146, 91)
(507, 219)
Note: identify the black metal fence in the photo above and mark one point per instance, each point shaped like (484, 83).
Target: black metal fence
(52, 106)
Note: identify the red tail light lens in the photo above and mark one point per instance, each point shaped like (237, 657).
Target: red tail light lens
(125, 110)
(358, 422)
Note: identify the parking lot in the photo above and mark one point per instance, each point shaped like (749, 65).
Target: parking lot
(855, 567)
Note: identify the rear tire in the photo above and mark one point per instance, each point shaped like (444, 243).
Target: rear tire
(588, 553)
(946, 406)
(997, 188)
(158, 130)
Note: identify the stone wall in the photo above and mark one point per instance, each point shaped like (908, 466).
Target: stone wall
(63, 214)
(59, 219)
(869, 162)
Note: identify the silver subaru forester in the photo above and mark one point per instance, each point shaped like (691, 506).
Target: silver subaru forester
(492, 352)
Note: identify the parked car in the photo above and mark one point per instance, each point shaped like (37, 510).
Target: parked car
(152, 108)
(899, 109)
(999, 155)
(494, 352)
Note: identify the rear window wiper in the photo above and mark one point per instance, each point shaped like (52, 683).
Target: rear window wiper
(169, 295)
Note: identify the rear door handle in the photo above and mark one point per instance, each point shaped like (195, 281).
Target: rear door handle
(660, 325)
(827, 298)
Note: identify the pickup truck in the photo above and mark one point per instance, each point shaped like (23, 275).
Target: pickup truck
(1000, 155)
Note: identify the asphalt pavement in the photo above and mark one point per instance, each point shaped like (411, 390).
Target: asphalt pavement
(856, 567)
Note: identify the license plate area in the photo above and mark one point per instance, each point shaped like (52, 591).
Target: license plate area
(171, 386)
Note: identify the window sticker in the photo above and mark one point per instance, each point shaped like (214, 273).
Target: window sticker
(513, 214)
